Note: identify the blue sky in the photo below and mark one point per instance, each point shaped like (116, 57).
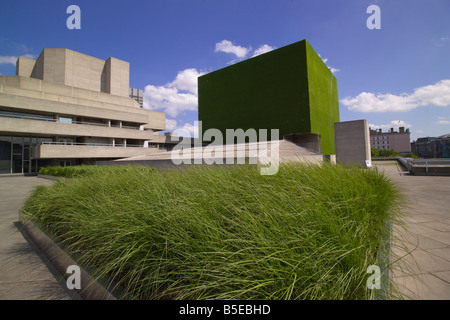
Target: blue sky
(399, 74)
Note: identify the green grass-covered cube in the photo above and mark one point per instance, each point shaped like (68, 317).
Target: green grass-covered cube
(290, 89)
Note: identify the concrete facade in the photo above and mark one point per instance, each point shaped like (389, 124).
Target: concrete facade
(78, 70)
(352, 142)
(71, 102)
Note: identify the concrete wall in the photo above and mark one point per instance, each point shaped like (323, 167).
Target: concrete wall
(400, 142)
(116, 77)
(24, 66)
(35, 88)
(82, 71)
(310, 141)
(42, 128)
(352, 140)
(74, 69)
(70, 152)
(37, 96)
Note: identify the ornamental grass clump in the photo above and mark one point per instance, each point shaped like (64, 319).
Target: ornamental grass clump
(223, 232)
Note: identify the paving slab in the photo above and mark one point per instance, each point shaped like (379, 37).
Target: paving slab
(422, 243)
(26, 275)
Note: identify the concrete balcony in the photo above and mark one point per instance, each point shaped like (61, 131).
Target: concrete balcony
(25, 94)
(62, 151)
(40, 127)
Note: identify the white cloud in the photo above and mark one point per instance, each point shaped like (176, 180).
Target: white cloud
(332, 69)
(394, 124)
(323, 59)
(187, 130)
(441, 42)
(437, 94)
(442, 120)
(228, 47)
(13, 59)
(171, 124)
(186, 80)
(8, 59)
(263, 49)
(239, 51)
(29, 56)
(169, 100)
(176, 96)
(192, 129)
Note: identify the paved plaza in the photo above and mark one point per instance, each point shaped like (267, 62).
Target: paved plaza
(423, 242)
(24, 274)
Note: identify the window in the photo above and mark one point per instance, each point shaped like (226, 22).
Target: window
(66, 141)
(22, 115)
(5, 154)
(65, 120)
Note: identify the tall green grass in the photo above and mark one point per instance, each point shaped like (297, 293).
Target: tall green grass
(308, 232)
(83, 170)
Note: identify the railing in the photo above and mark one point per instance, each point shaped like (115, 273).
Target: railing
(37, 118)
(65, 143)
(428, 164)
(3, 115)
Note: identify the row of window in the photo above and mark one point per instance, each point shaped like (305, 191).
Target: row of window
(382, 147)
(69, 120)
(15, 154)
(378, 142)
(380, 138)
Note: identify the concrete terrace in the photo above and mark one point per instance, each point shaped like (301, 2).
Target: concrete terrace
(424, 240)
(286, 151)
(25, 273)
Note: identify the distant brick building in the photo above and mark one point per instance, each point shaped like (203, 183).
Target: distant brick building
(391, 140)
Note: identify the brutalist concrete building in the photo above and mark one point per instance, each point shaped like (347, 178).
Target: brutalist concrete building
(68, 108)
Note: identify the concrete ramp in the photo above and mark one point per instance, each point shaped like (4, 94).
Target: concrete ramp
(253, 153)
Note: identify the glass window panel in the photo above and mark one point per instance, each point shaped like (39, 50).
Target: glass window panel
(65, 120)
(26, 166)
(5, 154)
(26, 153)
(17, 163)
(17, 145)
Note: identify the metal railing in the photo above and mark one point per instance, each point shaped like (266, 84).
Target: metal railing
(410, 163)
(28, 117)
(37, 118)
(94, 144)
